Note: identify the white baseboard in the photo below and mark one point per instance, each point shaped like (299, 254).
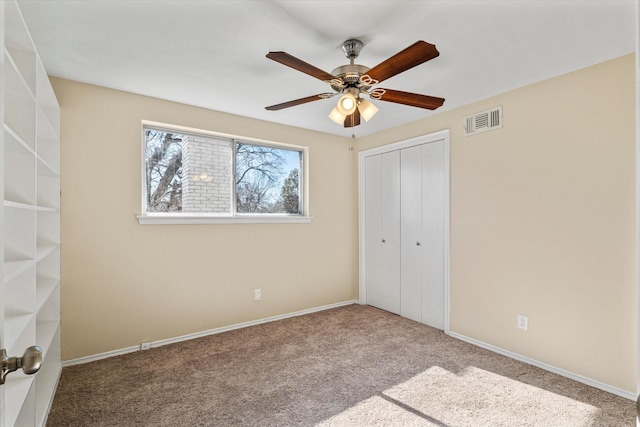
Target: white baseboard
(159, 343)
(588, 381)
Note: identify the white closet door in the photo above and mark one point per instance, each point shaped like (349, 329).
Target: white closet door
(411, 240)
(404, 201)
(373, 230)
(382, 230)
(434, 187)
(390, 237)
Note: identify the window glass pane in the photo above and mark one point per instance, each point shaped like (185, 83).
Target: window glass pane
(267, 179)
(194, 174)
(163, 171)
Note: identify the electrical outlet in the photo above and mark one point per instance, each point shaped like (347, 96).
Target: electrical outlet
(523, 322)
(257, 294)
(145, 346)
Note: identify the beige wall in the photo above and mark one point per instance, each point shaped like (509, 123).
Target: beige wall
(543, 221)
(125, 283)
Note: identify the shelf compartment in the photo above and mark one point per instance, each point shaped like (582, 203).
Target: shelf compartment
(47, 379)
(48, 321)
(48, 191)
(19, 175)
(19, 233)
(46, 98)
(50, 309)
(19, 332)
(48, 231)
(19, 398)
(47, 142)
(19, 44)
(20, 292)
(45, 287)
(45, 333)
(48, 266)
(45, 250)
(19, 106)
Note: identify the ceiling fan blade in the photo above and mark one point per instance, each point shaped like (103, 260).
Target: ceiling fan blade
(299, 101)
(415, 54)
(298, 64)
(352, 119)
(408, 98)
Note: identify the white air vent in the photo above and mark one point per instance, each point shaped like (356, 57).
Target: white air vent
(483, 121)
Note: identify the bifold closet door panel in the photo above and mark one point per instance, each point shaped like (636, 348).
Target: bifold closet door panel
(390, 238)
(373, 230)
(434, 200)
(411, 233)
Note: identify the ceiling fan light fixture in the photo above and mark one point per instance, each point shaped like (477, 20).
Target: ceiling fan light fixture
(337, 116)
(367, 109)
(347, 104)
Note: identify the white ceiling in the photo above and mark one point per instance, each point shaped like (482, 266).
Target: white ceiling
(212, 53)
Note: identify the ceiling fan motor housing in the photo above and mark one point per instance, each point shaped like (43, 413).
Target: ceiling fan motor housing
(349, 74)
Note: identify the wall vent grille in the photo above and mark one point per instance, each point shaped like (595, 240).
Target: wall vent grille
(483, 121)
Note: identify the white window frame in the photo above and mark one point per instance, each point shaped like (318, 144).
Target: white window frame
(233, 217)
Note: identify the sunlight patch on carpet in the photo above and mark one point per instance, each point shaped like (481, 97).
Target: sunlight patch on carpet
(438, 397)
(377, 411)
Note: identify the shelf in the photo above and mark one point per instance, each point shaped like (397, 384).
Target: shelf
(30, 220)
(14, 268)
(45, 169)
(16, 391)
(18, 205)
(45, 250)
(19, 183)
(45, 209)
(7, 129)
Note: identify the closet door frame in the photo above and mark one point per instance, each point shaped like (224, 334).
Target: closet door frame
(443, 136)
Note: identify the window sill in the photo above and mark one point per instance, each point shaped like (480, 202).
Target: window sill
(208, 219)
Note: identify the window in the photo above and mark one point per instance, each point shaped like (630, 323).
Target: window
(193, 175)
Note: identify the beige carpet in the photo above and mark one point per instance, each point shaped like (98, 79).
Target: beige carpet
(349, 366)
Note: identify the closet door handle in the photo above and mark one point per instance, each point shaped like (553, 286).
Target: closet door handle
(30, 362)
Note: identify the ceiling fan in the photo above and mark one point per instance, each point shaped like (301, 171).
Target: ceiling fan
(353, 80)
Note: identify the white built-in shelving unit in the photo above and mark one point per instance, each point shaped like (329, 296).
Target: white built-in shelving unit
(30, 222)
